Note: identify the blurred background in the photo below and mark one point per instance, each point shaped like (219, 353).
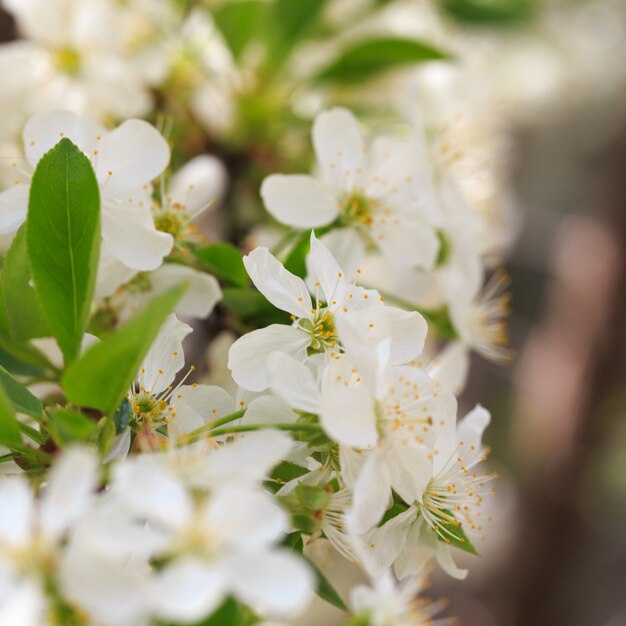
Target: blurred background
(556, 551)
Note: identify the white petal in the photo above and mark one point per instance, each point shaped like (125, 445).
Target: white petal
(111, 593)
(347, 249)
(385, 544)
(322, 268)
(408, 467)
(13, 208)
(247, 459)
(149, 491)
(420, 548)
(112, 274)
(186, 591)
(120, 447)
(26, 606)
(130, 235)
(406, 329)
(199, 184)
(73, 481)
(269, 410)
(372, 493)
(244, 517)
(208, 401)
(282, 288)
(131, 156)
(293, 381)
(411, 242)
(165, 357)
(470, 431)
(247, 358)
(347, 410)
(43, 131)
(201, 296)
(277, 583)
(299, 200)
(339, 147)
(16, 511)
(451, 366)
(446, 561)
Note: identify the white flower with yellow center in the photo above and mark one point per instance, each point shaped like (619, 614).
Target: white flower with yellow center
(448, 512)
(155, 402)
(74, 57)
(384, 420)
(32, 532)
(388, 603)
(384, 191)
(125, 162)
(315, 326)
(214, 530)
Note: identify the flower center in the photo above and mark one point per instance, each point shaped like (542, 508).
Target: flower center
(321, 328)
(67, 60)
(148, 409)
(355, 207)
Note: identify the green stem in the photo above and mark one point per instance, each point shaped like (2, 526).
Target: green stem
(6, 457)
(284, 242)
(198, 433)
(244, 428)
(247, 428)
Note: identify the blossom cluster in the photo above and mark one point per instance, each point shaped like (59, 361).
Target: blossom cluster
(338, 308)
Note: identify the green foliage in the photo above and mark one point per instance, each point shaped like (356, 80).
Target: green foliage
(101, 377)
(290, 22)
(63, 233)
(225, 261)
(21, 399)
(240, 23)
(68, 426)
(365, 59)
(24, 317)
(490, 12)
(10, 432)
(249, 304)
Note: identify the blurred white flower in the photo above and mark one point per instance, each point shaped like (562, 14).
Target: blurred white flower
(32, 533)
(384, 191)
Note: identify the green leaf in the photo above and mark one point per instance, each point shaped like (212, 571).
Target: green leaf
(10, 432)
(290, 23)
(67, 426)
(248, 303)
(240, 23)
(490, 12)
(365, 59)
(24, 315)
(325, 590)
(22, 400)
(287, 471)
(225, 261)
(18, 367)
(294, 542)
(101, 377)
(63, 233)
